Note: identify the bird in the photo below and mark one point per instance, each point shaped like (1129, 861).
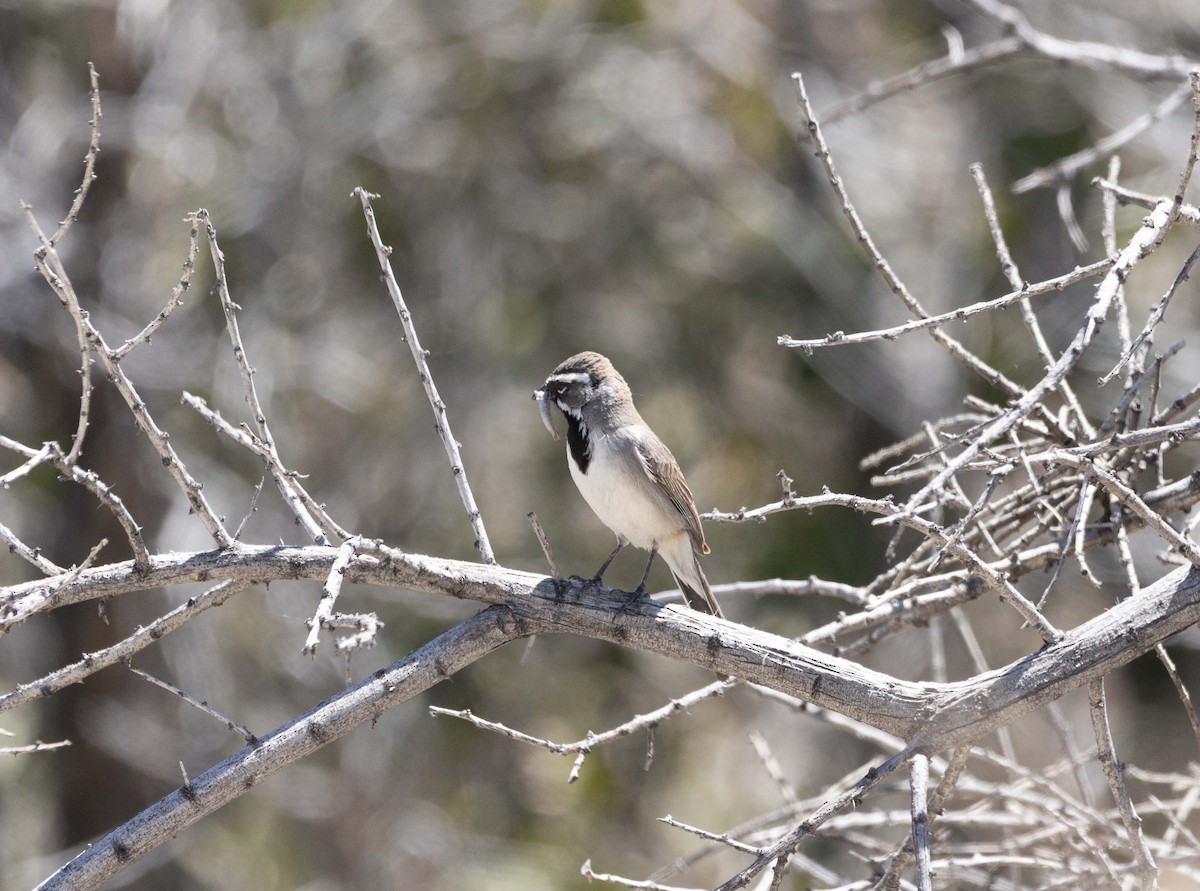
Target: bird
(626, 474)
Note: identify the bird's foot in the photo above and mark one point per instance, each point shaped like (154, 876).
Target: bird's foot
(635, 598)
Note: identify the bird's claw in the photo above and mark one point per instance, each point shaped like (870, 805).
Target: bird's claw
(637, 597)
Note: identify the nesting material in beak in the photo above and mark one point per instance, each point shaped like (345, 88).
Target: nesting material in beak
(543, 401)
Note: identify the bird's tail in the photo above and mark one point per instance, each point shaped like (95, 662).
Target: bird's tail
(684, 564)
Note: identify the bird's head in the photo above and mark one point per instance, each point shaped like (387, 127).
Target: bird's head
(585, 379)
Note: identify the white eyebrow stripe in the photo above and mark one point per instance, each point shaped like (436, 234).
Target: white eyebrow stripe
(570, 377)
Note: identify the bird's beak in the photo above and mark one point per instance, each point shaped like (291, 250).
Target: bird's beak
(543, 401)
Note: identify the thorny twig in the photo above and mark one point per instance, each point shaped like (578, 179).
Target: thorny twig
(420, 356)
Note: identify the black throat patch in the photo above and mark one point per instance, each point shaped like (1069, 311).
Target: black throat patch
(577, 441)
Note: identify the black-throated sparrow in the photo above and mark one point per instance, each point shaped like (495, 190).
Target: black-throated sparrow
(626, 474)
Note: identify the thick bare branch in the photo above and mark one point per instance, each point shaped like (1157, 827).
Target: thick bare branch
(932, 716)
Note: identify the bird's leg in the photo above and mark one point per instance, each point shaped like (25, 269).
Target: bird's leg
(604, 565)
(640, 591)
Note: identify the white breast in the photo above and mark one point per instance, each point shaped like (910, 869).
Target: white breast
(619, 499)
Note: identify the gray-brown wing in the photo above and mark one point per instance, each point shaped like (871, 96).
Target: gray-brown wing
(662, 468)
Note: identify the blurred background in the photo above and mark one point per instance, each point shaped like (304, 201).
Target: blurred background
(616, 175)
